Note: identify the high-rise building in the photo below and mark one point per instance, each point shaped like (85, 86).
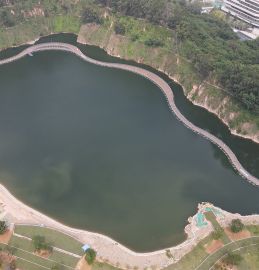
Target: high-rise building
(246, 10)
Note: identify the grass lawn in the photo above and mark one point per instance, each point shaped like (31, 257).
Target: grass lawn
(253, 229)
(57, 239)
(198, 259)
(64, 23)
(250, 257)
(23, 264)
(230, 247)
(56, 256)
(211, 217)
(193, 258)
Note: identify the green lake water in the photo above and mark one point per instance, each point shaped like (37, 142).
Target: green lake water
(99, 149)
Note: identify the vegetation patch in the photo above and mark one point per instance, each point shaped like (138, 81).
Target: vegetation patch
(56, 238)
(236, 226)
(239, 235)
(90, 256)
(218, 231)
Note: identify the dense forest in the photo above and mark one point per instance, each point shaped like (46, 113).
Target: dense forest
(208, 42)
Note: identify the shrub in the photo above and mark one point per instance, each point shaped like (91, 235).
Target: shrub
(7, 19)
(152, 42)
(168, 254)
(3, 227)
(90, 15)
(236, 226)
(119, 28)
(233, 259)
(90, 256)
(40, 243)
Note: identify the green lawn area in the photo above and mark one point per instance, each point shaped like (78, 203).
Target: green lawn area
(64, 23)
(56, 238)
(56, 256)
(250, 257)
(198, 259)
(193, 258)
(23, 264)
(23, 249)
(232, 246)
(253, 229)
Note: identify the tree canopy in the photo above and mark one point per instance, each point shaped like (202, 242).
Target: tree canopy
(232, 259)
(210, 44)
(236, 225)
(3, 226)
(90, 256)
(40, 243)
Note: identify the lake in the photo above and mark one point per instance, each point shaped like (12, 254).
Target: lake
(99, 149)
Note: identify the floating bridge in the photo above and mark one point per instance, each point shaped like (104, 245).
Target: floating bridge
(163, 85)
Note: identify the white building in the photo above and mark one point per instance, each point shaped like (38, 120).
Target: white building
(246, 10)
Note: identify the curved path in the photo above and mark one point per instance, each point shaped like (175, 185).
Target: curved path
(165, 88)
(216, 256)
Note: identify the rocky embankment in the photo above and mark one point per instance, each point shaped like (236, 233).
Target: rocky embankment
(202, 93)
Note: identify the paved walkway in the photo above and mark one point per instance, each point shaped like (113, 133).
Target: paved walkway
(213, 258)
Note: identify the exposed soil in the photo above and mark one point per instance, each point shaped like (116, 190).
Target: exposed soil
(213, 246)
(5, 238)
(223, 266)
(83, 265)
(42, 253)
(6, 258)
(236, 236)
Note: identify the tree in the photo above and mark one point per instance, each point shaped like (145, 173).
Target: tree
(40, 243)
(90, 256)
(90, 15)
(152, 42)
(236, 226)
(215, 49)
(3, 226)
(7, 19)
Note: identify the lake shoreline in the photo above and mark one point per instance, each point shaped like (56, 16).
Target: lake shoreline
(16, 212)
(154, 78)
(109, 250)
(173, 78)
(30, 213)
